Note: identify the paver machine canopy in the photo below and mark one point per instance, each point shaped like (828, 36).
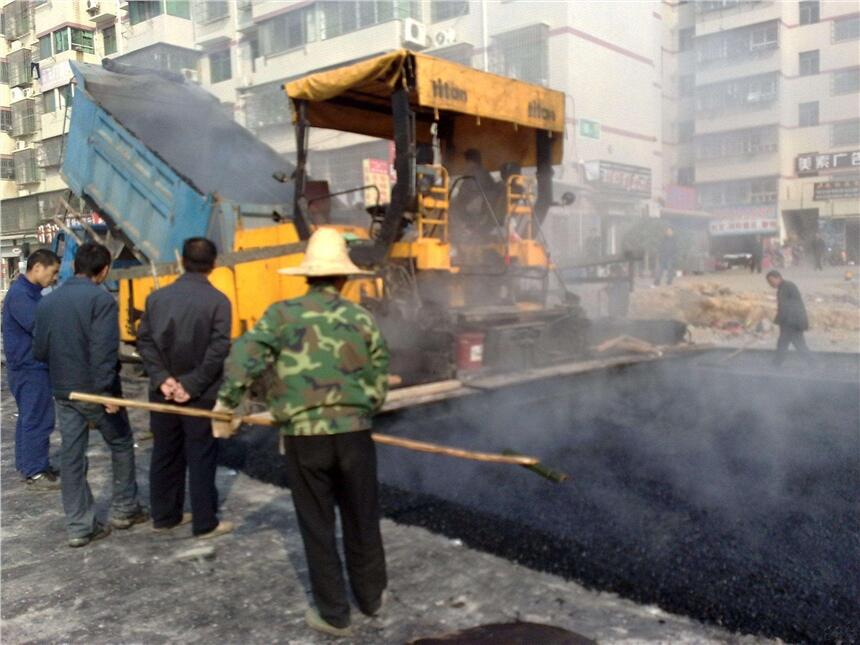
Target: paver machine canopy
(476, 269)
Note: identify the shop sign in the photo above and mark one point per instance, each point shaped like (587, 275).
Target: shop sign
(743, 226)
(681, 198)
(55, 76)
(376, 173)
(618, 177)
(842, 189)
(589, 129)
(813, 163)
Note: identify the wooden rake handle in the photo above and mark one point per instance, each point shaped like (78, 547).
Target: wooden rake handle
(259, 419)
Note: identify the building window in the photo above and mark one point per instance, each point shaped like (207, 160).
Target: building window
(17, 19)
(45, 47)
(82, 41)
(219, 66)
(23, 118)
(266, 105)
(61, 41)
(743, 192)
(522, 54)
(5, 120)
(26, 169)
(807, 114)
(210, 11)
(845, 134)
(846, 81)
(764, 37)
(7, 168)
(109, 40)
(737, 143)
(846, 28)
(447, 9)
(141, 10)
(19, 68)
(179, 8)
(49, 152)
(162, 56)
(49, 102)
(686, 85)
(749, 93)
(739, 44)
(462, 53)
(686, 176)
(4, 72)
(808, 62)
(686, 130)
(809, 12)
(685, 38)
(288, 31)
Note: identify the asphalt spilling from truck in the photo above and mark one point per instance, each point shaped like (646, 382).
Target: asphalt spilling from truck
(728, 495)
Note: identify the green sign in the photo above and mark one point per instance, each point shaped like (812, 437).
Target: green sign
(589, 129)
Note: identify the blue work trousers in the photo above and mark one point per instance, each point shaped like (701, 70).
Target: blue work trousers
(74, 420)
(32, 391)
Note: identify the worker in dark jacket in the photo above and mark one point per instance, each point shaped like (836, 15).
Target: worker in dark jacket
(183, 339)
(28, 378)
(790, 316)
(77, 334)
(331, 367)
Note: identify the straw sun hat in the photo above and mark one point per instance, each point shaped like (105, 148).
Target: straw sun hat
(326, 255)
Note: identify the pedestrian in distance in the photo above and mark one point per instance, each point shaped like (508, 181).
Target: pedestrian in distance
(332, 367)
(819, 250)
(756, 255)
(667, 257)
(28, 377)
(77, 335)
(790, 316)
(183, 339)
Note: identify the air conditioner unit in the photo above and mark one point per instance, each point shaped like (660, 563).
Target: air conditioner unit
(414, 34)
(92, 6)
(190, 75)
(443, 38)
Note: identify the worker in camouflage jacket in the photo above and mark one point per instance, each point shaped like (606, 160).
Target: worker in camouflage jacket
(327, 374)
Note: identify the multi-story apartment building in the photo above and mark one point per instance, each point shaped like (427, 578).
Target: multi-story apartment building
(746, 112)
(776, 120)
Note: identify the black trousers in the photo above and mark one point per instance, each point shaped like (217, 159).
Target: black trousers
(789, 336)
(180, 442)
(338, 470)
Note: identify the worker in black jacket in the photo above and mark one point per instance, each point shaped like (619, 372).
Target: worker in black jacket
(790, 316)
(77, 335)
(183, 339)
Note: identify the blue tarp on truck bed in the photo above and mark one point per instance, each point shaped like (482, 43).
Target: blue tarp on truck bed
(149, 150)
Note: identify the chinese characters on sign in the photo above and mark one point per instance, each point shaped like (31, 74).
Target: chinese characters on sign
(745, 220)
(843, 189)
(635, 180)
(376, 173)
(743, 227)
(812, 163)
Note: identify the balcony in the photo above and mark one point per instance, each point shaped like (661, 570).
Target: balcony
(20, 74)
(24, 118)
(101, 11)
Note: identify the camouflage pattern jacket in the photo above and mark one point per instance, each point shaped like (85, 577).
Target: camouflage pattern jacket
(329, 364)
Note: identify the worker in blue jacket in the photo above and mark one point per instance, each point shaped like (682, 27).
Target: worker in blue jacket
(77, 334)
(27, 377)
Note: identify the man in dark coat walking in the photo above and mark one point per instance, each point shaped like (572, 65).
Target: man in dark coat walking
(790, 316)
(183, 339)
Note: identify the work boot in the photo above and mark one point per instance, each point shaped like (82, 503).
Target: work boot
(43, 481)
(99, 531)
(376, 608)
(140, 516)
(223, 528)
(317, 622)
(186, 519)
